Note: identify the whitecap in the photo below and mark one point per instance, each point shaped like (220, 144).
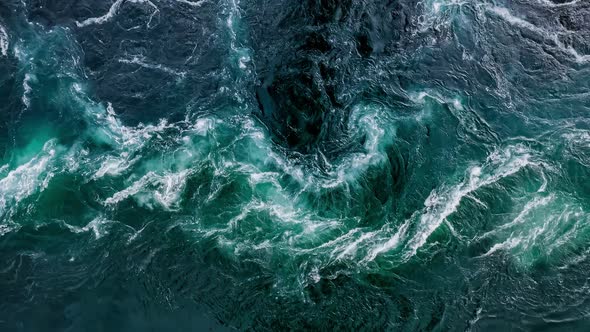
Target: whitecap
(153, 189)
(3, 41)
(113, 11)
(113, 166)
(170, 188)
(578, 137)
(27, 178)
(505, 14)
(104, 18)
(204, 125)
(349, 248)
(437, 14)
(133, 189)
(96, 226)
(443, 202)
(390, 244)
(549, 3)
(510, 243)
(27, 89)
(141, 61)
(198, 3)
(520, 218)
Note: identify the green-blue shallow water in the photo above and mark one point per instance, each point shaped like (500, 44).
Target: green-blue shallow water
(403, 165)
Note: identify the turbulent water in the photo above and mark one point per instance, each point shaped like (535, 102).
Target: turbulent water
(405, 165)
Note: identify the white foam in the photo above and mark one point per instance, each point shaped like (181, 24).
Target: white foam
(543, 186)
(350, 248)
(520, 218)
(104, 18)
(198, 3)
(544, 226)
(131, 137)
(420, 98)
(437, 14)
(153, 188)
(27, 178)
(126, 141)
(7, 228)
(240, 53)
(134, 189)
(505, 14)
(578, 137)
(113, 11)
(582, 220)
(171, 186)
(549, 3)
(204, 125)
(438, 5)
(265, 177)
(580, 58)
(441, 203)
(392, 243)
(3, 41)
(285, 213)
(113, 166)
(367, 121)
(506, 245)
(529, 206)
(515, 20)
(29, 78)
(96, 225)
(74, 157)
(141, 61)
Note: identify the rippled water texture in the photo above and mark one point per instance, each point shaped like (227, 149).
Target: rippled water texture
(404, 165)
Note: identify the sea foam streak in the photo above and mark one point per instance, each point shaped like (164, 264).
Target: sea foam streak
(198, 3)
(443, 202)
(140, 61)
(113, 11)
(26, 179)
(440, 204)
(3, 41)
(505, 14)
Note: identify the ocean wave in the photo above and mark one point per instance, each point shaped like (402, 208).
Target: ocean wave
(406, 168)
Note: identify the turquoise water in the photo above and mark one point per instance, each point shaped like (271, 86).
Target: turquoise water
(277, 165)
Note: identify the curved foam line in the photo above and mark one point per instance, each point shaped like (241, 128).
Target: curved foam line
(104, 18)
(113, 10)
(3, 41)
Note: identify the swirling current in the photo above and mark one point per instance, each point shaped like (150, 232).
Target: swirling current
(402, 165)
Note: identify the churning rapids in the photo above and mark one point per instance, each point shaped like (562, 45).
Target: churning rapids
(404, 165)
